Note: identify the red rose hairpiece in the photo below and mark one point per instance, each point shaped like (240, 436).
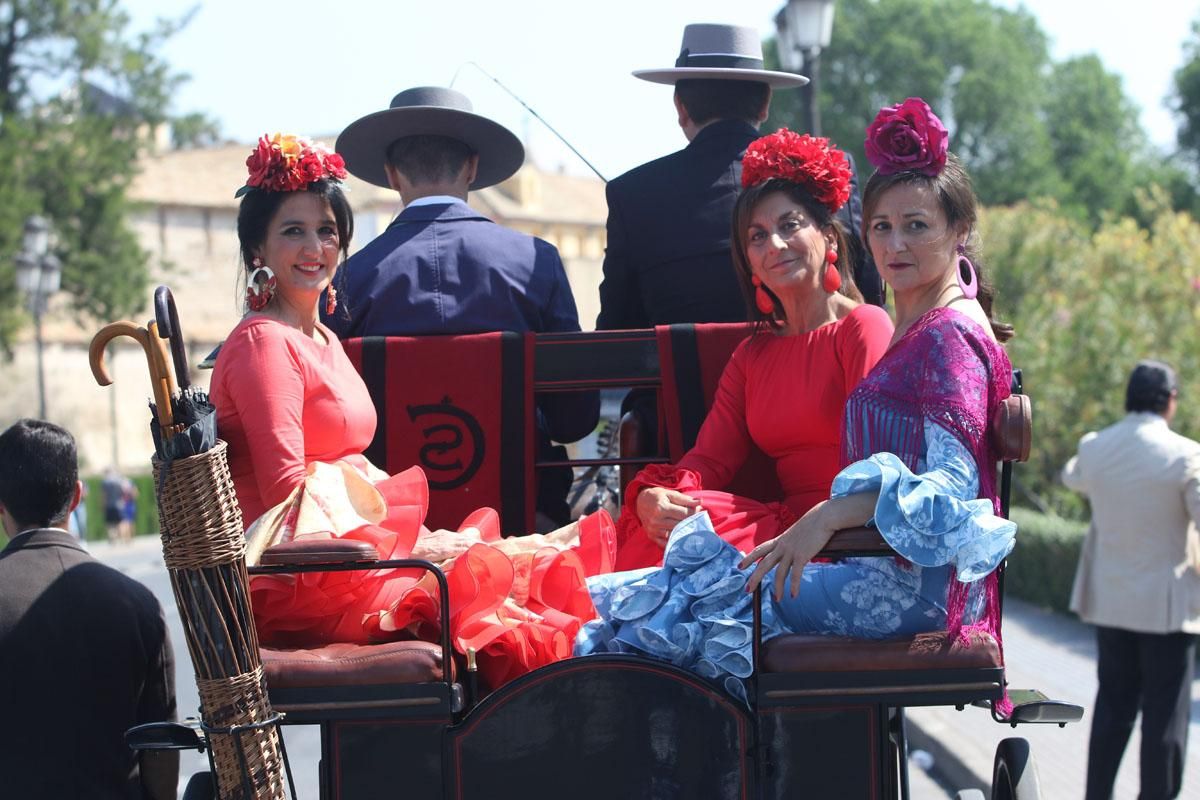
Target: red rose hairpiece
(807, 160)
(907, 136)
(286, 163)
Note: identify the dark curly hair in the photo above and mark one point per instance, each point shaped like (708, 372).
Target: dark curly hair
(744, 208)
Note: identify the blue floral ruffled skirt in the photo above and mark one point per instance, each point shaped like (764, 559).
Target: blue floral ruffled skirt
(694, 611)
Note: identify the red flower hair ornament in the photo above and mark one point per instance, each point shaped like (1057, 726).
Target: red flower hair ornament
(907, 136)
(809, 161)
(286, 163)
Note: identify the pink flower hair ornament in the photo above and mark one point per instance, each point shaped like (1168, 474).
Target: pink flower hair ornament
(287, 163)
(907, 136)
(809, 161)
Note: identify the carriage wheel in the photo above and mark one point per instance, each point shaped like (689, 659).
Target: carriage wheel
(200, 787)
(1014, 776)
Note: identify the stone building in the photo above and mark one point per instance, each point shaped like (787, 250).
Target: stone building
(186, 219)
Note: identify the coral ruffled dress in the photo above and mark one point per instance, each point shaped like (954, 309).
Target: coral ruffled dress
(785, 395)
(296, 416)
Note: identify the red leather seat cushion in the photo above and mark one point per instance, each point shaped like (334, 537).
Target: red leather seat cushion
(806, 653)
(353, 665)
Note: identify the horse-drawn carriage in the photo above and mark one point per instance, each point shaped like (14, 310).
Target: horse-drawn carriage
(824, 718)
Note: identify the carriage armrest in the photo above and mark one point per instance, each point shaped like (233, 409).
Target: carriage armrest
(1012, 428)
(857, 542)
(299, 552)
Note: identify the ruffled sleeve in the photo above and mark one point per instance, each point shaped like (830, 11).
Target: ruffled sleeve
(933, 518)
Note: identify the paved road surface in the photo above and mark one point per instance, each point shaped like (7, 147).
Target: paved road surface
(1056, 654)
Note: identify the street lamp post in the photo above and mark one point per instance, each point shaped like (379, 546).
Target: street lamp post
(38, 276)
(804, 29)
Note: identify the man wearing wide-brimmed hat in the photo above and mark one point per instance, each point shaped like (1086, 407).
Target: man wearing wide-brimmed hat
(668, 255)
(443, 268)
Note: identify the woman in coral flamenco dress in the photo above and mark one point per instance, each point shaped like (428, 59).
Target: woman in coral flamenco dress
(784, 388)
(297, 418)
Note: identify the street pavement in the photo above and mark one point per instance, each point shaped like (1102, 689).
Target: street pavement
(1056, 654)
(142, 560)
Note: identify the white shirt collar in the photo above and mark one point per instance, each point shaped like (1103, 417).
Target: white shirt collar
(435, 199)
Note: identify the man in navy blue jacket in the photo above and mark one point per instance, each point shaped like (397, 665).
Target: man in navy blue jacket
(667, 258)
(443, 268)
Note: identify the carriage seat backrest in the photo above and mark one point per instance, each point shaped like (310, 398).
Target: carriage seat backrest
(461, 408)
(691, 360)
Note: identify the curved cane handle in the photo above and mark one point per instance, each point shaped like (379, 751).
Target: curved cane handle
(105, 335)
(162, 397)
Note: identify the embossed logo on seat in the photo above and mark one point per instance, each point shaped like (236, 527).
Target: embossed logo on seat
(454, 448)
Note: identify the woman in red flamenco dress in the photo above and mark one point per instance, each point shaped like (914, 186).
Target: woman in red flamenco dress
(784, 388)
(297, 417)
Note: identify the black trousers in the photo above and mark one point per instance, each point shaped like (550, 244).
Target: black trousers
(1151, 673)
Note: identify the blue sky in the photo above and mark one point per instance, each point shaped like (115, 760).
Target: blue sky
(312, 67)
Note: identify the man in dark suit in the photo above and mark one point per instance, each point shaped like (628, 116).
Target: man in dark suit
(668, 220)
(84, 650)
(443, 268)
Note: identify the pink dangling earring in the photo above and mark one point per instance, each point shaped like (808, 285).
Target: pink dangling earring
(762, 300)
(330, 300)
(260, 287)
(968, 281)
(831, 281)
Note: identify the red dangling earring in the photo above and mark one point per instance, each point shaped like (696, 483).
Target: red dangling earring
(831, 281)
(260, 287)
(762, 300)
(330, 301)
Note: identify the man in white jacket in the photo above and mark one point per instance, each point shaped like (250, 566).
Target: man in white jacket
(1137, 582)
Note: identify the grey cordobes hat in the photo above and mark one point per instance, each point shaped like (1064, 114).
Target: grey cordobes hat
(429, 111)
(722, 52)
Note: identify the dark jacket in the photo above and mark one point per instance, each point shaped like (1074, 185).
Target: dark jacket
(668, 257)
(444, 268)
(84, 655)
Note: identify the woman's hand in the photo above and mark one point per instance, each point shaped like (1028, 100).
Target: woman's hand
(790, 551)
(443, 546)
(660, 510)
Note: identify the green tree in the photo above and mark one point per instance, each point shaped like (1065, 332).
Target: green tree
(1025, 126)
(1086, 306)
(981, 67)
(1186, 99)
(1094, 136)
(80, 96)
(194, 130)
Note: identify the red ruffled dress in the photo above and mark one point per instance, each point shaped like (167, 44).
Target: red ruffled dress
(284, 401)
(784, 394)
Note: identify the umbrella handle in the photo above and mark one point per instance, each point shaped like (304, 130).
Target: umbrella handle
(162, 397)
(162, 363)
(168, 328)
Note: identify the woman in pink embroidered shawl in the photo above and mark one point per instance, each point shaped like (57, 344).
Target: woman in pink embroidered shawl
(917, 462)
(920, 464)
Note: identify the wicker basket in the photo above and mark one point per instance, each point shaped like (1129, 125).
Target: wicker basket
(204, 551)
